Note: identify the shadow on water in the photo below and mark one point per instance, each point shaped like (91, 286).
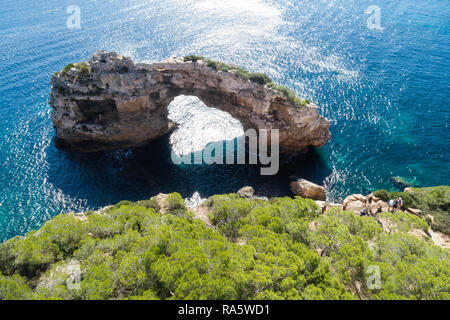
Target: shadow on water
(108, 177)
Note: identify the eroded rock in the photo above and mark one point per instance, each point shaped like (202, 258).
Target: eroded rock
(414, 211)
(114, 103)
(246, 192)
(307, 189)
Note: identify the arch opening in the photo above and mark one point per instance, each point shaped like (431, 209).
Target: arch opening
(199, 125)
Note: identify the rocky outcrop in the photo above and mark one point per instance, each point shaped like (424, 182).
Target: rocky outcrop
(111, 102)
(307, 189)
(246, 192)
(414, 211)
(322, 204)
(355, 202)
(358, 203)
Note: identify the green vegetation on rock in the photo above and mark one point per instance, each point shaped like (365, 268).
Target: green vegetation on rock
(82, 67)
(289, 94)
(278, 249)
(256, 77)
(67, 68)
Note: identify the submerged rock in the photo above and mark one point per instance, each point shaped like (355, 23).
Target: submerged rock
(307, 189)
(402, 183)
(111, 102)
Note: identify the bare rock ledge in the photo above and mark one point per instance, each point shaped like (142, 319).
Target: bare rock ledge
(111, 102)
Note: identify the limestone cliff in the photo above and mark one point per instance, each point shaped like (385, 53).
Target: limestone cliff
(111, 102)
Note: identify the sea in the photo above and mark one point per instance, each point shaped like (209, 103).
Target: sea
(378, 70)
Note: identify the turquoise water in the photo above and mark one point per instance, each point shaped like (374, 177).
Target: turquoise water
(386, 93)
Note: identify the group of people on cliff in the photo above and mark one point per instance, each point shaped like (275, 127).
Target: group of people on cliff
(395, 204)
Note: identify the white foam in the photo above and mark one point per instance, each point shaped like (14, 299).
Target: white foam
(194, 201)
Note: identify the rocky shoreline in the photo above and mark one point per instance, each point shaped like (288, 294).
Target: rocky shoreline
(167, 247)
(357, 203)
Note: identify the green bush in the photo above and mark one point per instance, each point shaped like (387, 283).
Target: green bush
(7, 257)
(64, 231)
(123, 203)
(259, 78)
(411, 269)
(67, 68)
(434, 201)
(193, 58)
(151, 203)
(34, 254)
(175, 205)
(382, 194)
(83, 68)
(14, 288)
(405, 222)
(228, 213)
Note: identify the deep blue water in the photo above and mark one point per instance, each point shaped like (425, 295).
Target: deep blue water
(385, 91)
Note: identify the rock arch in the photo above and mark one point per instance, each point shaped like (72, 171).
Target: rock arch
(111, 102)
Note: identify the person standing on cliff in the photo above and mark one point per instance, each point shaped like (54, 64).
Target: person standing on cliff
(324, 208)
(399, 203)
(369, 199)
(392, 204)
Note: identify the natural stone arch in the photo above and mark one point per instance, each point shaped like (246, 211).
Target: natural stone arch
(110, 102)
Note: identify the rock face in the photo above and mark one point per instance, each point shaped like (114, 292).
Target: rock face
(417, 212)
(307, 189)
(114, 103)
(355, 202)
